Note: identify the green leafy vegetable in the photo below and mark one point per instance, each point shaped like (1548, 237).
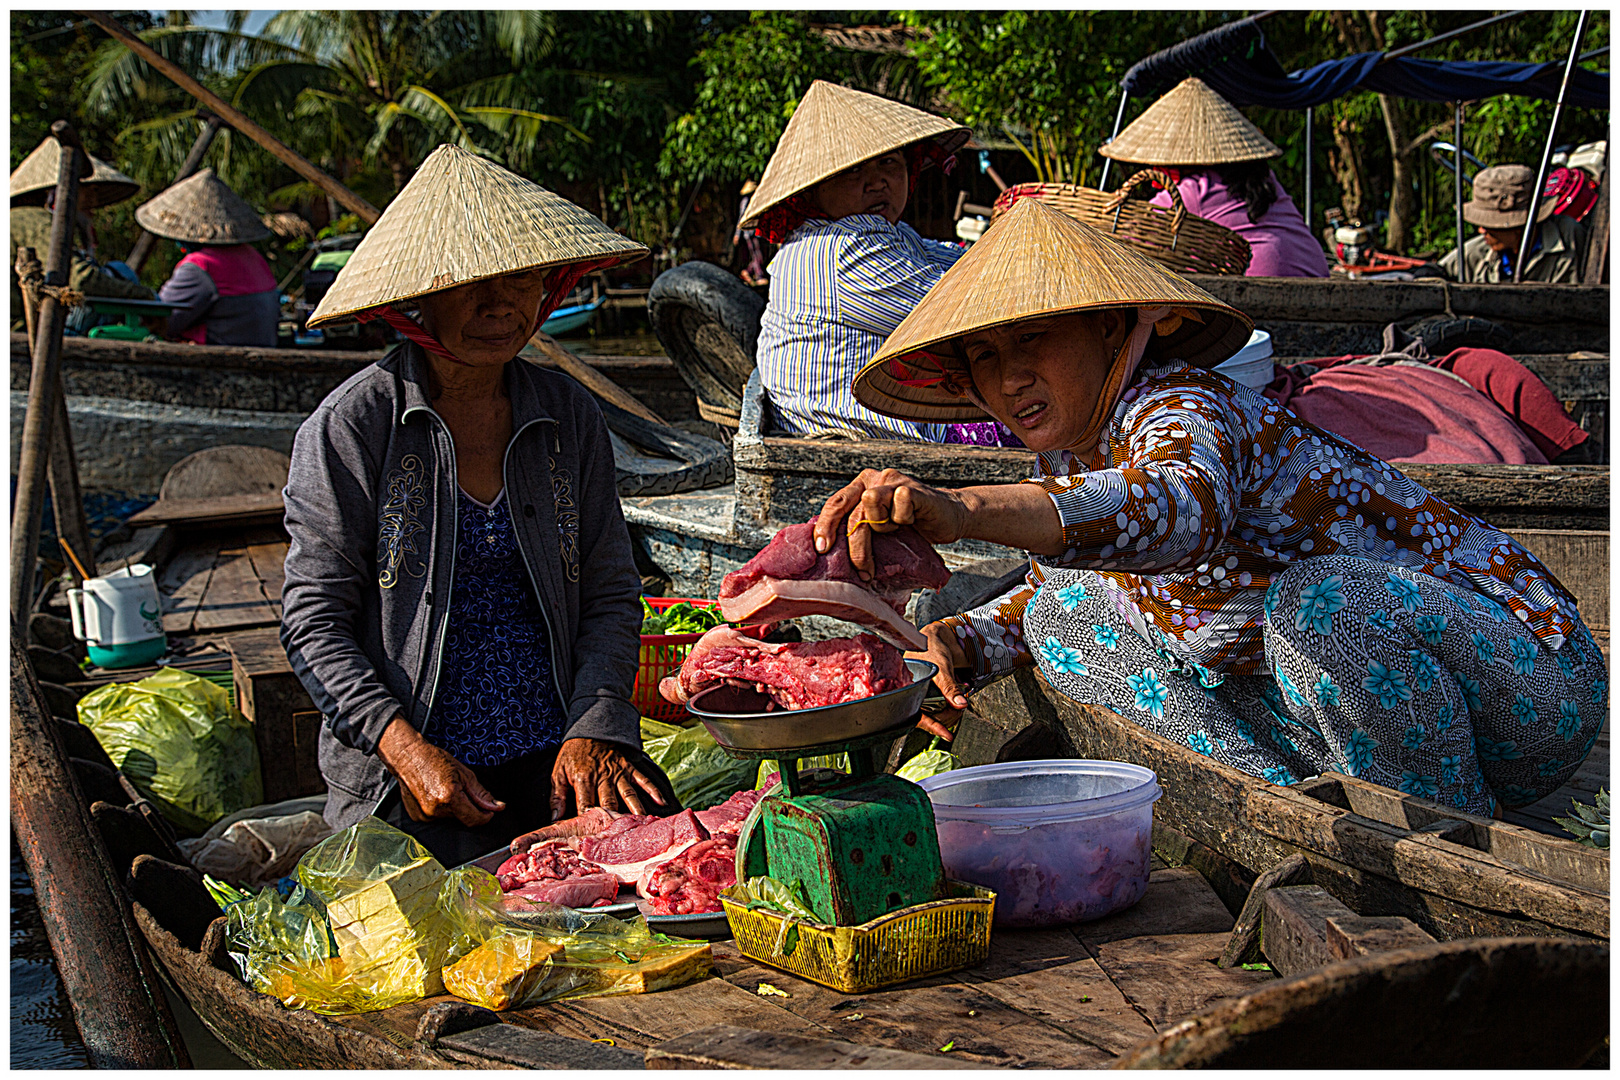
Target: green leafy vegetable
(1590, 825)
(681, 618)
(948, 1047)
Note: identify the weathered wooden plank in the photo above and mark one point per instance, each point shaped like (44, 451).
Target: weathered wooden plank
(1169, 977)
(235, 597)
(221, 510)
(1177, 901)
(1523, 1003)
(183, 584)
(722, 1046)
(269, 561)
(150, 545)
(1243, 945)
(1050, 976)
(924, 1016)
(1333, 300)
(1350, 936)
(1293, 927)
(526, 1048)
(1422, 861)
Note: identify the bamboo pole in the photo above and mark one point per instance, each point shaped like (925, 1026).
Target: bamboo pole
(45, 378)
(1457, 159)
(1546, 154)
(199, 150)
(117, 1000)
(236, 119)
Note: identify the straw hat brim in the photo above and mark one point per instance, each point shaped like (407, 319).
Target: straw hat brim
(1038, 263)
(464, 219)
(834, 128)
(202, 209)
(1490, 218)
(35, 179)
(1191, 125)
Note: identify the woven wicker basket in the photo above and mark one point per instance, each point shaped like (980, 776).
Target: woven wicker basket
(1180, 241)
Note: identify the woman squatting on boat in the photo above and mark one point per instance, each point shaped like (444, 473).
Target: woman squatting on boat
(1202, 561)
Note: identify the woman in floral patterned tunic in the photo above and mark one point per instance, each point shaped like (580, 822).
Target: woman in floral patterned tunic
(1205, 563)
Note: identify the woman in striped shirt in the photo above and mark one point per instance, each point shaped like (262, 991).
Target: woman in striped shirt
(849, 269)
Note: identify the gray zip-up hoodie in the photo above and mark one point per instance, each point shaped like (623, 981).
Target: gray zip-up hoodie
(371, 509)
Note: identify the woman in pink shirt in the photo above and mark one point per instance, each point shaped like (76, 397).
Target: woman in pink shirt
(1218, 159)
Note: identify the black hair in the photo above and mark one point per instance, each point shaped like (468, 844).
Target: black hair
(1251, 183)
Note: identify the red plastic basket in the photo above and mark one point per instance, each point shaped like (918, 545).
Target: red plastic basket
(663, 654)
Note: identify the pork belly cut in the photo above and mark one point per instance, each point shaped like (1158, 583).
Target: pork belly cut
(629, 855)
(796, 675)
(789, 578)
(551, 860)
(726, 819)
(589, 890)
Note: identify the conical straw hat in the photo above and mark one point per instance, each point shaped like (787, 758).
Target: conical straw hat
(835, 127)
(1038, 261)
(463, 218)
(1191, 125)
(35, 178)
(202, 209)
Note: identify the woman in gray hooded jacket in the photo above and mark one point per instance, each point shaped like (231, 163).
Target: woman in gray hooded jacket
(460, 596)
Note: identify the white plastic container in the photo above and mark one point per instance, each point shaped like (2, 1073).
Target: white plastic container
(1060, 841)
(1251, 365)
(119, 617)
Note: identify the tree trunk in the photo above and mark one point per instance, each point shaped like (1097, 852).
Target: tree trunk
(1402, 202)
(1346, 165)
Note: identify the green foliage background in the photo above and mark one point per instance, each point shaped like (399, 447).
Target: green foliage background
(652, 118)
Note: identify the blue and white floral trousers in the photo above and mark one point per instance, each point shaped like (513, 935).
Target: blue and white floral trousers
(1373, 670)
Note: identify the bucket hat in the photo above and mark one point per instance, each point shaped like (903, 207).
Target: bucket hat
(202, 209)
(35, 178)
(1501, 198)
(834, 128)
(463, 218)
(1035, 262)
(1191, 125)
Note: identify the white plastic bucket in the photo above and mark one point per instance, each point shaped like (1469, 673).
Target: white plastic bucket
(1251, 365)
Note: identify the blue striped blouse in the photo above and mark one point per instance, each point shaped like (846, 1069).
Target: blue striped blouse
(838, 289)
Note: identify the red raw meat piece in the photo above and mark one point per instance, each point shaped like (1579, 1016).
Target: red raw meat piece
(691, 883)
(589, 823)
(589, 890)
(727, 818)
(629, 855)
(799, 675)
(552, 860)
(789, 578)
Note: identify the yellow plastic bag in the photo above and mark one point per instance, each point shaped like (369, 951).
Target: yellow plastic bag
(180, 743)
(553, 953)
(702, 774)
(371, 924)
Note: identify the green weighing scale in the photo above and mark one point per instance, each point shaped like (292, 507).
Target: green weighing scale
(863, 844)
(132, 311)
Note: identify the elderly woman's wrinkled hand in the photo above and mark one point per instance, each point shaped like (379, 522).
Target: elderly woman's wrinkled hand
(432, 784)
(882, 502)
(945, 653)
(599, 773)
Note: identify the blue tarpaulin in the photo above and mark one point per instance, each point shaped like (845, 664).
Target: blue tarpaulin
(1235, 62)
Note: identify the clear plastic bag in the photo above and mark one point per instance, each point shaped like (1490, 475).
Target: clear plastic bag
(371, 924)
(702, 774)
(256, 851)
(181, 744)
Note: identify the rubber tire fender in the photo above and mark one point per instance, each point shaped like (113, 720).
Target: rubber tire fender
(708, 322)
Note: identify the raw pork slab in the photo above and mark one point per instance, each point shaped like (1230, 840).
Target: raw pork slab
(690, 884)
(726, 819)
(590, 890)
(789, 579)
(629, 855)
(553, 860)
(798, 675)
(589, 823)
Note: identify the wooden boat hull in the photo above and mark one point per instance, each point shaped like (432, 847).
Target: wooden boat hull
(1379, 851)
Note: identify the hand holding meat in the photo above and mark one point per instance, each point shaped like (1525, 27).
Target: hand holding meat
(598, 773)
(432, 784)
(1017, 515)
(882, 502)
(944, 653)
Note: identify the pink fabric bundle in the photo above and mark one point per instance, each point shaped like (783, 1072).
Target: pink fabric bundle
(236, 270)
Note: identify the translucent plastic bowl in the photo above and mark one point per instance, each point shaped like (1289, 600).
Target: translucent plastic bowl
(1059, 841)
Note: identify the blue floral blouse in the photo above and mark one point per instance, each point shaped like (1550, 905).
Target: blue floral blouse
(497, 695)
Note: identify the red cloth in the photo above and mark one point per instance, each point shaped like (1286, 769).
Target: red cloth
(237, 270)
(1406, 413)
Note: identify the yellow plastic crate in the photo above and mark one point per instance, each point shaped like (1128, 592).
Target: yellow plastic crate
(914, 942)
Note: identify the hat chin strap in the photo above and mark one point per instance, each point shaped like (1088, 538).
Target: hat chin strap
(558, 284)
(1126, 361)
